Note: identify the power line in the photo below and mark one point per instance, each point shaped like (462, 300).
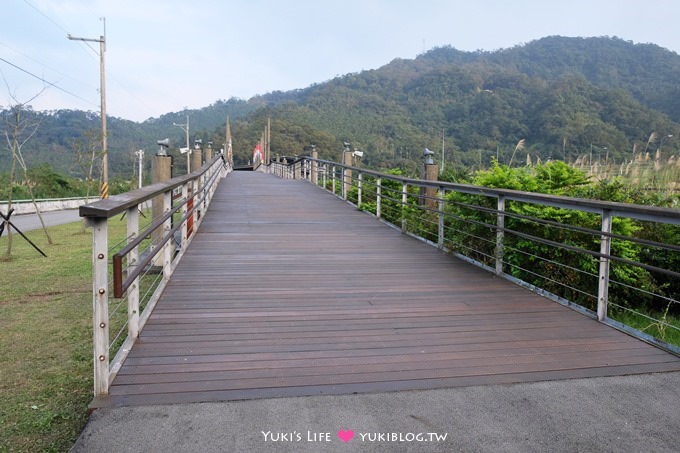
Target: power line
(56, 23)
(47, 82)
(46, 65)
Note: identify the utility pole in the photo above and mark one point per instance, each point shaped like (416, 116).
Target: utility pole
(104, 190)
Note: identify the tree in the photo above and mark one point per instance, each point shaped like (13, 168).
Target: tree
(18, 131)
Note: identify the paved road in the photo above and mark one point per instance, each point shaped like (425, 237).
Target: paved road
(28, 222)
(615, 414)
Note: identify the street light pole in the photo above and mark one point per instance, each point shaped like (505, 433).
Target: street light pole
(185, 127)
(104, 190)
(140, 154)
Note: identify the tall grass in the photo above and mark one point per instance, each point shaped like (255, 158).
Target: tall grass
(647, 172)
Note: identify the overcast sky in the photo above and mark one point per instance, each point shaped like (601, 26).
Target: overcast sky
(165, 55)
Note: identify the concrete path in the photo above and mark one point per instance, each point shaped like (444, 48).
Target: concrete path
(28, 222)
(613, 414)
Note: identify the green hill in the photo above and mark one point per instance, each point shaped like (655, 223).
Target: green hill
(563, 96)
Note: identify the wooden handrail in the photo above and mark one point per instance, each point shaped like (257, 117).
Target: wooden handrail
(640, 212)
(116, 204)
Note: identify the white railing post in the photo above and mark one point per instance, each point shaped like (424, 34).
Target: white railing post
(359, 189)
(325, 176)
(333, 176)
(603, 278)
(167, 226)
(204, 181)
(500, 234)
(404, 200)
(132, 216)
(440, 215)
(100, 305)
(378, 192)
(193, 193)
(185, 198)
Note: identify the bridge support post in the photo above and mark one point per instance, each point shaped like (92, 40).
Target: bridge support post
(100, 305)
(431, 174)
(346, 174)
(500, 234)
(161, 173)
(315, 167)
(196, 158)
(603, 278)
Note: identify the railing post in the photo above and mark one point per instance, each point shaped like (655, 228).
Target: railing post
(167, 226)
(359, 189)
(333, 176)
(193, 192)
(204, 180)
(500, 234)
(325, 176)
(378, 192)
(603, 280)
(100, 305)
(404, 200)
(185, 209)
(132, 216)
(440, 215)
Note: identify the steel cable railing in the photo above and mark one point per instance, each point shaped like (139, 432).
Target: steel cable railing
(586, 253)
(127, 286)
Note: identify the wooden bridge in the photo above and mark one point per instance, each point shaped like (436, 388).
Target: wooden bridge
(287, 290)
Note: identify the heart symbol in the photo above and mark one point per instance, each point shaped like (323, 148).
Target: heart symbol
(345, 435)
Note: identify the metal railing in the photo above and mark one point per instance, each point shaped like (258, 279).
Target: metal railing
(128, 276)
(601, 258)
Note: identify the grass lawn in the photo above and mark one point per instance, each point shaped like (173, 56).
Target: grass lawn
(46, 339)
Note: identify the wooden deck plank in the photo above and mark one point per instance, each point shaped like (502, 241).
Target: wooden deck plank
(289, 291)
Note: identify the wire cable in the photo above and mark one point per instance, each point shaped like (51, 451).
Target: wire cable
(48, 82)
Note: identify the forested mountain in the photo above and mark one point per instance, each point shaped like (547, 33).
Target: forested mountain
(564, 96)
(65, 139)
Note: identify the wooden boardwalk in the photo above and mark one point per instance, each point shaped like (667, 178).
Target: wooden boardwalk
(288, 291)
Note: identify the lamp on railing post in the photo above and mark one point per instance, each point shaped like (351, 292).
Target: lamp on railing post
(196, 162)
(197, 155)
